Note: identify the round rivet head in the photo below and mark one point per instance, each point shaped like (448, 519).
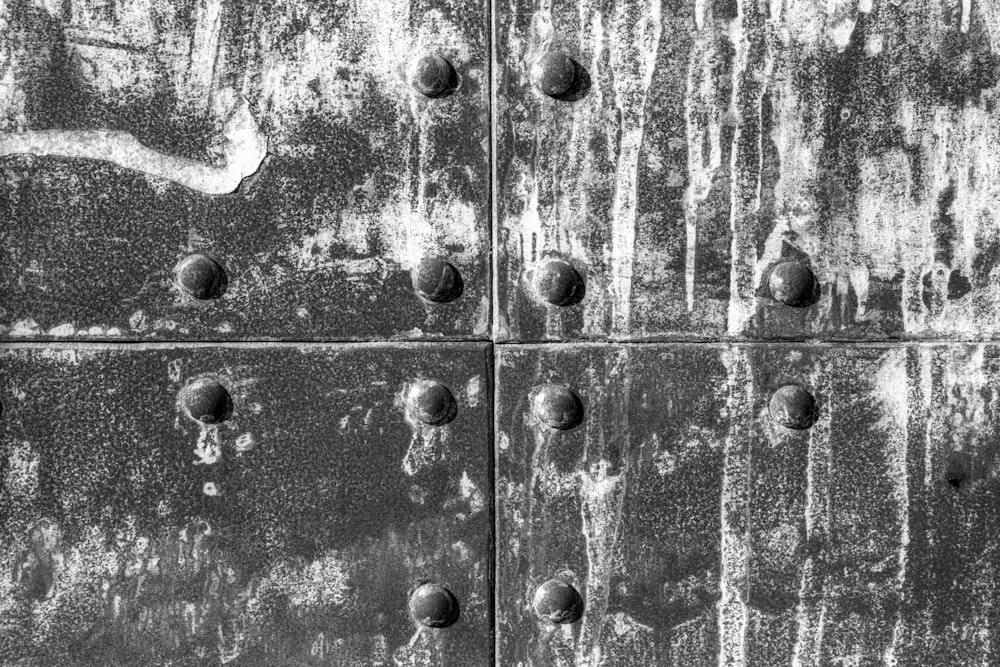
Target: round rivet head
(436, 280)
(554, 74)
(793, 284)
(207, 401)
(201, 277)
(434, 76)
(431, 403)
(558, 602)
(793, 407)
(559, 284)
(557, 407)
(434, 605)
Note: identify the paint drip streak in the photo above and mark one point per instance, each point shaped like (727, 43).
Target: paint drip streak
(746, 161)
(603, 484)
(735, 513)
(811, 612)
(703, 126)
(633, 60)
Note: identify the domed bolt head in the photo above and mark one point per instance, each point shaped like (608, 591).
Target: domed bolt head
(554, 73)
(558, 602)
(431, 403)
(207, 401)
(557, 407)
(434, 605)
(793, 407)
(436, 280)
(793, 284)
(200, 277)
(434, 76)
(559, 284)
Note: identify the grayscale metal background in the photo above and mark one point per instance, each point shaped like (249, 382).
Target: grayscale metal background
(702, 143)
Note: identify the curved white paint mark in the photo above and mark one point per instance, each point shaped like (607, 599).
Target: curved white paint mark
(243, 150)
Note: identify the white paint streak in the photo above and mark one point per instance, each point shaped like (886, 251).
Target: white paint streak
(735, 512)
(703, 120)
(810, 615)
(745, 179)
(602, 497)
(892, 386)
(633, 59)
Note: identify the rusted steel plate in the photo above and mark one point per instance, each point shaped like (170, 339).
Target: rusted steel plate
(124, 125)
(698, 530)
(291, 533)
(697, 146)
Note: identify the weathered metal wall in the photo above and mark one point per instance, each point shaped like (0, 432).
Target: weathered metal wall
(758, 242)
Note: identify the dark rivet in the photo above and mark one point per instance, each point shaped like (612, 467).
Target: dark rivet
(793, 284)
(436, 280)
(557, 407)
(793, 407)
(558, 602)
(431, 403)
(207, 401)
(559, 284)
(554, 73)
(434, 76)
(201, 277)
(434, 605)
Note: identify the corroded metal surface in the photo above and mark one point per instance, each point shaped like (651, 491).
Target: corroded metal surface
(291, 533)
(699, 531)
(714, 140)
(669, 177)
(123, 123)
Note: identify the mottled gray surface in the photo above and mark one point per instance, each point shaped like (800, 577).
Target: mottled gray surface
(692, 147)
(699, 532)
(363, 176)
(291, 534)
(720, 138)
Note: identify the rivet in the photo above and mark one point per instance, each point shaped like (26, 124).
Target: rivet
(201, 277)
(793, 407)
(434, 76)
(434, 605)
(557, 407)
(558, 602)
(431, 403)
(207, 401)
(554, 74)
(559, 284)
(793, 284)
(436, 280)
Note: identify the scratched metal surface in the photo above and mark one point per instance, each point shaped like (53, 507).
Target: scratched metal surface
(719, 138)
(699, 532)
(298, 545)
(362, 176)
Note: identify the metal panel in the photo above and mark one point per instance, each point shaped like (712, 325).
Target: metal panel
(290, 533)
(700, 145)
(285, 141)
(700, 531)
